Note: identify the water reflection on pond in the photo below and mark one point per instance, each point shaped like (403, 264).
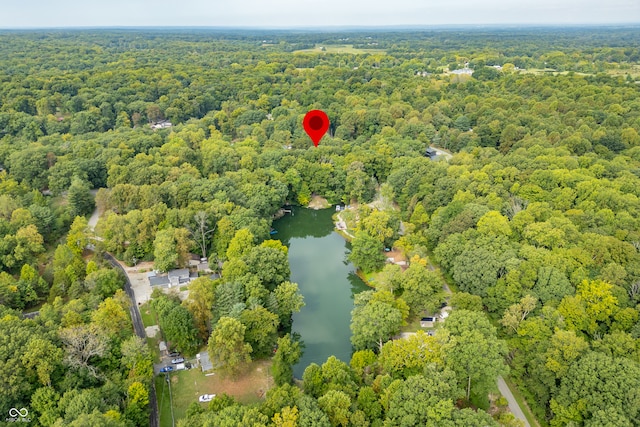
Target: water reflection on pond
(318, 259)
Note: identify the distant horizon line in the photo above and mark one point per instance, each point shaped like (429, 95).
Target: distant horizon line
(317, 28)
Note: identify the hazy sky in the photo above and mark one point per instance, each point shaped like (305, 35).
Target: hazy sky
(305, 13)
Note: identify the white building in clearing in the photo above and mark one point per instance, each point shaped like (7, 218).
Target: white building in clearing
(161, 125)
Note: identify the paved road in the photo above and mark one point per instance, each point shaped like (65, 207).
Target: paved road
(138, 327)
(513, 404)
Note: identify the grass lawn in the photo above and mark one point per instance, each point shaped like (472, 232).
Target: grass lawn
(633, 70)
(413, 325)
(187, 386)
(537, 71)
(338, 48)
(368, 278)
(148, 314)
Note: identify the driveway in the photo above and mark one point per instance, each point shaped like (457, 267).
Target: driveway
(136, 319)
(513, 404)
(139, 330)
(443, 153)
(166, 361)
(139, 283)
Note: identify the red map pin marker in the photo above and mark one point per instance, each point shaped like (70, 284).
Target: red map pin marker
(316, 124)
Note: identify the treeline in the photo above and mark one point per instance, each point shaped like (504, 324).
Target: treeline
(102, 81)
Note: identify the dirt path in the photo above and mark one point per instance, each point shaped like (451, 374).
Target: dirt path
(93, 220)
(345, 231)
(318, 202)
(443, 153)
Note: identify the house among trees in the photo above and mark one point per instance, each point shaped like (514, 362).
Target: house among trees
(205, 361)
(172, 278)
(164, 124)
(201, 264)
(428, 322)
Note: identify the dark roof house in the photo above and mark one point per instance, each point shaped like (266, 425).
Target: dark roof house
(427, 322)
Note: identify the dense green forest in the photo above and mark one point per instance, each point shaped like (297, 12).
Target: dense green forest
(534, 221)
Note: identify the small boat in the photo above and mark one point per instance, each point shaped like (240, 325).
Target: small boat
(272, 232)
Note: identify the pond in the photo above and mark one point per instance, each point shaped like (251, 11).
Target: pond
(328, 281)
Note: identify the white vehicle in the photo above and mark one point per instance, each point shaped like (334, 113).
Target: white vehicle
(206, 397)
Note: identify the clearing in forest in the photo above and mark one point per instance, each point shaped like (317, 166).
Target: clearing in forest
(187, 386)
(338, 48)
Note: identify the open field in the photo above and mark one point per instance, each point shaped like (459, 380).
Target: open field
(339, 48)
(187, 386)
(148, 315)
(634, 71)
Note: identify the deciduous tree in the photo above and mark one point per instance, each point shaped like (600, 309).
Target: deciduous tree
(261, 332)
(227, 346)
(473, 351)
(80, 198)
(366, 252)
(373, 322)
(287, 354)
(288, 301)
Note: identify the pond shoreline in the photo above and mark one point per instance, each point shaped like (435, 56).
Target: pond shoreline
(348, 237)
(328, 282)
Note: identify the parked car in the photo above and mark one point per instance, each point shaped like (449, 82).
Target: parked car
(177, 360)
(206, 397)
(174, 354)
(167, 369)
